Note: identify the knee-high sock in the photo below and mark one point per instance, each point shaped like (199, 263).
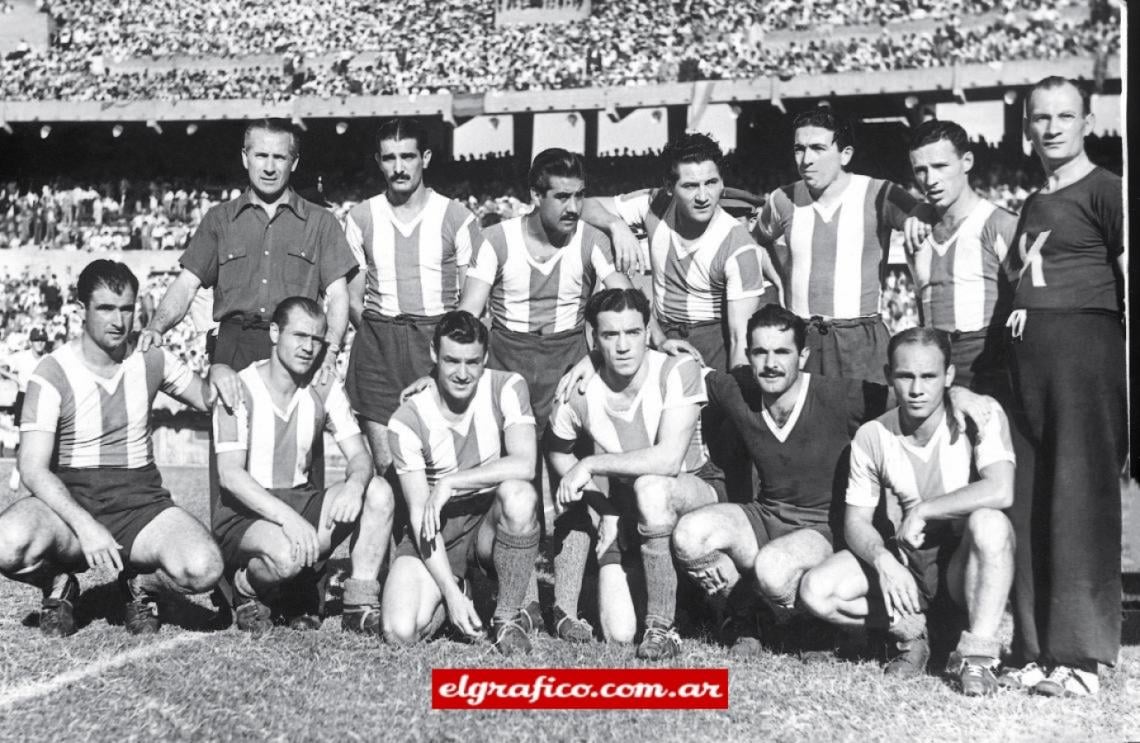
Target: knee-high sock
(660, 576)
(571, 550)
(513, 556)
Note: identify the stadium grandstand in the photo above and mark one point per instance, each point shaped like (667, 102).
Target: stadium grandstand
(118, 119)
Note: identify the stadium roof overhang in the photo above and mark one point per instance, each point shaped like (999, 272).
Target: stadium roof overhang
(956, 80)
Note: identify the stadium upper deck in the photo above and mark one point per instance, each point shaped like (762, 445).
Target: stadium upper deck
(419, 46)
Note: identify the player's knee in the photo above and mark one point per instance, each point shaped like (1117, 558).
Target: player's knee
(200, 570)
(281, 563)
(618, 630)
(652, 495)
(690, 537)
(379, 500)
(399, 628)
(777, 581)
(815, 593)
(517, 501)
(991, 533)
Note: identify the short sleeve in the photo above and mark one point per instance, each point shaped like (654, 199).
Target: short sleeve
(201, 255)
(743, 277)
(565, 426)
(176, 376)
(514, 402)
(998, 233)
(994, 441)
(486, 265)
(633, 208)
(339, 420)
(231, 429)
(684, 385)
(1109, 206)
(336, 258)
(405, 442)
(354, 236)
(895, 205)
(863, 482)
(466, 238)
(42, 403)
(600, 260)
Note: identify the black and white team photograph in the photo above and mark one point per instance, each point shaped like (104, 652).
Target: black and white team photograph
(513, 370)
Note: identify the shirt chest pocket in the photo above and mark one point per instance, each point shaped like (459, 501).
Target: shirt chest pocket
(233, 268)
(299, 268)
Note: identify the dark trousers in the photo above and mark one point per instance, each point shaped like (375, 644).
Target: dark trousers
(1070, 436)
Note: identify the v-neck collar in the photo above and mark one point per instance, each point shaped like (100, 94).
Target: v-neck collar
(405, 228)
(547, 266)
(783, 432)
(285, 414)
(109, 384)
(926, 451)
(942, 247)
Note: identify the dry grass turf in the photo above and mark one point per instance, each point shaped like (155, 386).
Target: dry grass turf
(192, 682)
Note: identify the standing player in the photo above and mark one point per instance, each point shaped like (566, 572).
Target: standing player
(958, 268)
(1070, 404)
(22, 365)
(272, 522)
(641, 411)
(413, 246)
(953, 536)
(538, 271)
(829, 237)
(464, 451)
(708, 274)
(97, 498)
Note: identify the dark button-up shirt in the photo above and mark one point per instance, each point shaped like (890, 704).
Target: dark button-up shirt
(254, 261)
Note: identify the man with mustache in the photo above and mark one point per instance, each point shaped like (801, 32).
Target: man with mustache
(829, 238)
(273, 523)
(413, 246)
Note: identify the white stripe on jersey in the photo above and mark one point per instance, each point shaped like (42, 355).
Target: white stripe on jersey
(850, 244)
(430, 247)
(138, 418)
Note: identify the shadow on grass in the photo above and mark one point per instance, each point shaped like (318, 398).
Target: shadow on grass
(105, 602)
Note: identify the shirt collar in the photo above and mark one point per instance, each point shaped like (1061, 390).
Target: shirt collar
(292, 201)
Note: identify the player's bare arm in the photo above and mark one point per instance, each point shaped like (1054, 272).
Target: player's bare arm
(665, 457)
(173, 307)
(994, 490)
(234, 478)
(356, 298)
(460, 610)
(99, 548)
(474, 296)
(738, 312)
(358, 472)
(602, 212)
(899, 590)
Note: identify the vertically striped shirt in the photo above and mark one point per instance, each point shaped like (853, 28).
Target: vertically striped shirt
(530, 296)
(958, 279)
(279, 443)
(830, 260)
(672, 382)
(412, 268)
(422, 439)
(882, 457)
(690, 283)
(100, 422)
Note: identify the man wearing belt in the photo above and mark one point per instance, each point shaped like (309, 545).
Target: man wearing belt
(829, 237)
(1070, 406)
(413, 246)
(256, 250)
(538, 271)
(958, 268)
(701, 258)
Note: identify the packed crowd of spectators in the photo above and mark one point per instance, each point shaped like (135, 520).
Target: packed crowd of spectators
(419, 46)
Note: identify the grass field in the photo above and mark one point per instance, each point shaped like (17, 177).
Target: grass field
(192, 682)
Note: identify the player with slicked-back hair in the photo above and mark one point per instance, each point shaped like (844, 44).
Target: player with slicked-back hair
(961, 285)
(97, 498)
(413, 246)
(829, 238)
(1070, 404)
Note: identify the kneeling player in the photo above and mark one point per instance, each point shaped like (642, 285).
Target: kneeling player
(275, 528)
(641, 410)
(97, 498)
(464, 451)
(953, 534)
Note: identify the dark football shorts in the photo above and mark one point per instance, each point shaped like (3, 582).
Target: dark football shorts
(772, 521)
(232, 520)
(460, 522)
(388, 354)
(928, 563)
(122, 500)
